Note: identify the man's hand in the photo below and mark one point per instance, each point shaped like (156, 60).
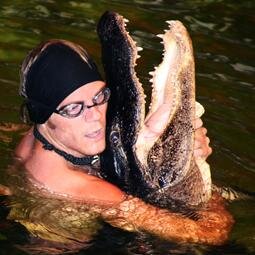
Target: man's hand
(201, 143)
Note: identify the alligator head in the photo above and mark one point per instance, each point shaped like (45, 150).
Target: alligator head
(152, 156)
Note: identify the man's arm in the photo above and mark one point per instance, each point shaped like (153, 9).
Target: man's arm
(211, 228)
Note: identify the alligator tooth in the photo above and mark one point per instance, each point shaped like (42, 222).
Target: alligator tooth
(160, 35)
(139, 48)
(126, 20)
(138, 56)
(151, 80)
(165, 30)
(151, 73)
(169, 22)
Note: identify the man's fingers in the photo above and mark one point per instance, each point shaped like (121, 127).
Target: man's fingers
(202, 152)
(201, 143)
(200, 133)
(198, 123)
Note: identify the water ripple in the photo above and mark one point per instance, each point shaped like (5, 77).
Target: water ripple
(195, 24)
(243, 68)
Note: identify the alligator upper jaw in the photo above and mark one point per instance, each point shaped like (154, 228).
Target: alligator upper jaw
(120, 64)
(126, 107)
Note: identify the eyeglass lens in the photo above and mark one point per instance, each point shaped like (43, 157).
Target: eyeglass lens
(75, 109)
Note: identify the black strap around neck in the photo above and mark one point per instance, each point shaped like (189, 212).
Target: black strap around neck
(87, 160)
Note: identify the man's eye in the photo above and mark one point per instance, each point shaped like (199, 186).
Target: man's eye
(102, 97)
(72, 109)
(99, 98)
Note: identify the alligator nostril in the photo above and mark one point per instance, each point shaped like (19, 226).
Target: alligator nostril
(161, 182)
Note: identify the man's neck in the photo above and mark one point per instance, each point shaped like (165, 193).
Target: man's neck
(84, 160)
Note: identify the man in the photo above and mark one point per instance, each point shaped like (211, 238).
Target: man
(66, 99)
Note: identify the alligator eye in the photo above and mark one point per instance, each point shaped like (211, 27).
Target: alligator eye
(115, 138)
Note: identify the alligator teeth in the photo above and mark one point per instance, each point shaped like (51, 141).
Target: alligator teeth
(160, 35)
(139, 48)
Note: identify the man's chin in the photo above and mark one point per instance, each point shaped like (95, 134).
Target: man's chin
(94, 150)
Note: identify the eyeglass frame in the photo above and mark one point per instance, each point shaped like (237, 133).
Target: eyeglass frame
(84, 106)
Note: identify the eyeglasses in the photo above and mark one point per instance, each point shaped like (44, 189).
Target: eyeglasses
(75, 109)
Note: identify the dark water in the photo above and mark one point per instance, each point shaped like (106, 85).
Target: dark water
(223, 34)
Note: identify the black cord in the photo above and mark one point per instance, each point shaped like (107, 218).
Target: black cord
(87, 160)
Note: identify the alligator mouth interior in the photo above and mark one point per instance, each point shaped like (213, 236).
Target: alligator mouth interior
(164, 99)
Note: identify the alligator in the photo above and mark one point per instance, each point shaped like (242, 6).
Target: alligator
(151, 155)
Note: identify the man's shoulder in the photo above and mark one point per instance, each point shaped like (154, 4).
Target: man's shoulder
(93, 188)
(24, 149)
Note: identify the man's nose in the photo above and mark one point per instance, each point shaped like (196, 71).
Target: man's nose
(92, 113)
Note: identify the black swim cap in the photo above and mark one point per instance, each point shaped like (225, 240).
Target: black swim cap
(56, 73)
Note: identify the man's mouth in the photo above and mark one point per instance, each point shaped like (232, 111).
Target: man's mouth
(96, 135)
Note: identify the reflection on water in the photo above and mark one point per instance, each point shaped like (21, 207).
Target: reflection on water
(223, 37)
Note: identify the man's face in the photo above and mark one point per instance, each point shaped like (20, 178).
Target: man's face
(84, 134)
